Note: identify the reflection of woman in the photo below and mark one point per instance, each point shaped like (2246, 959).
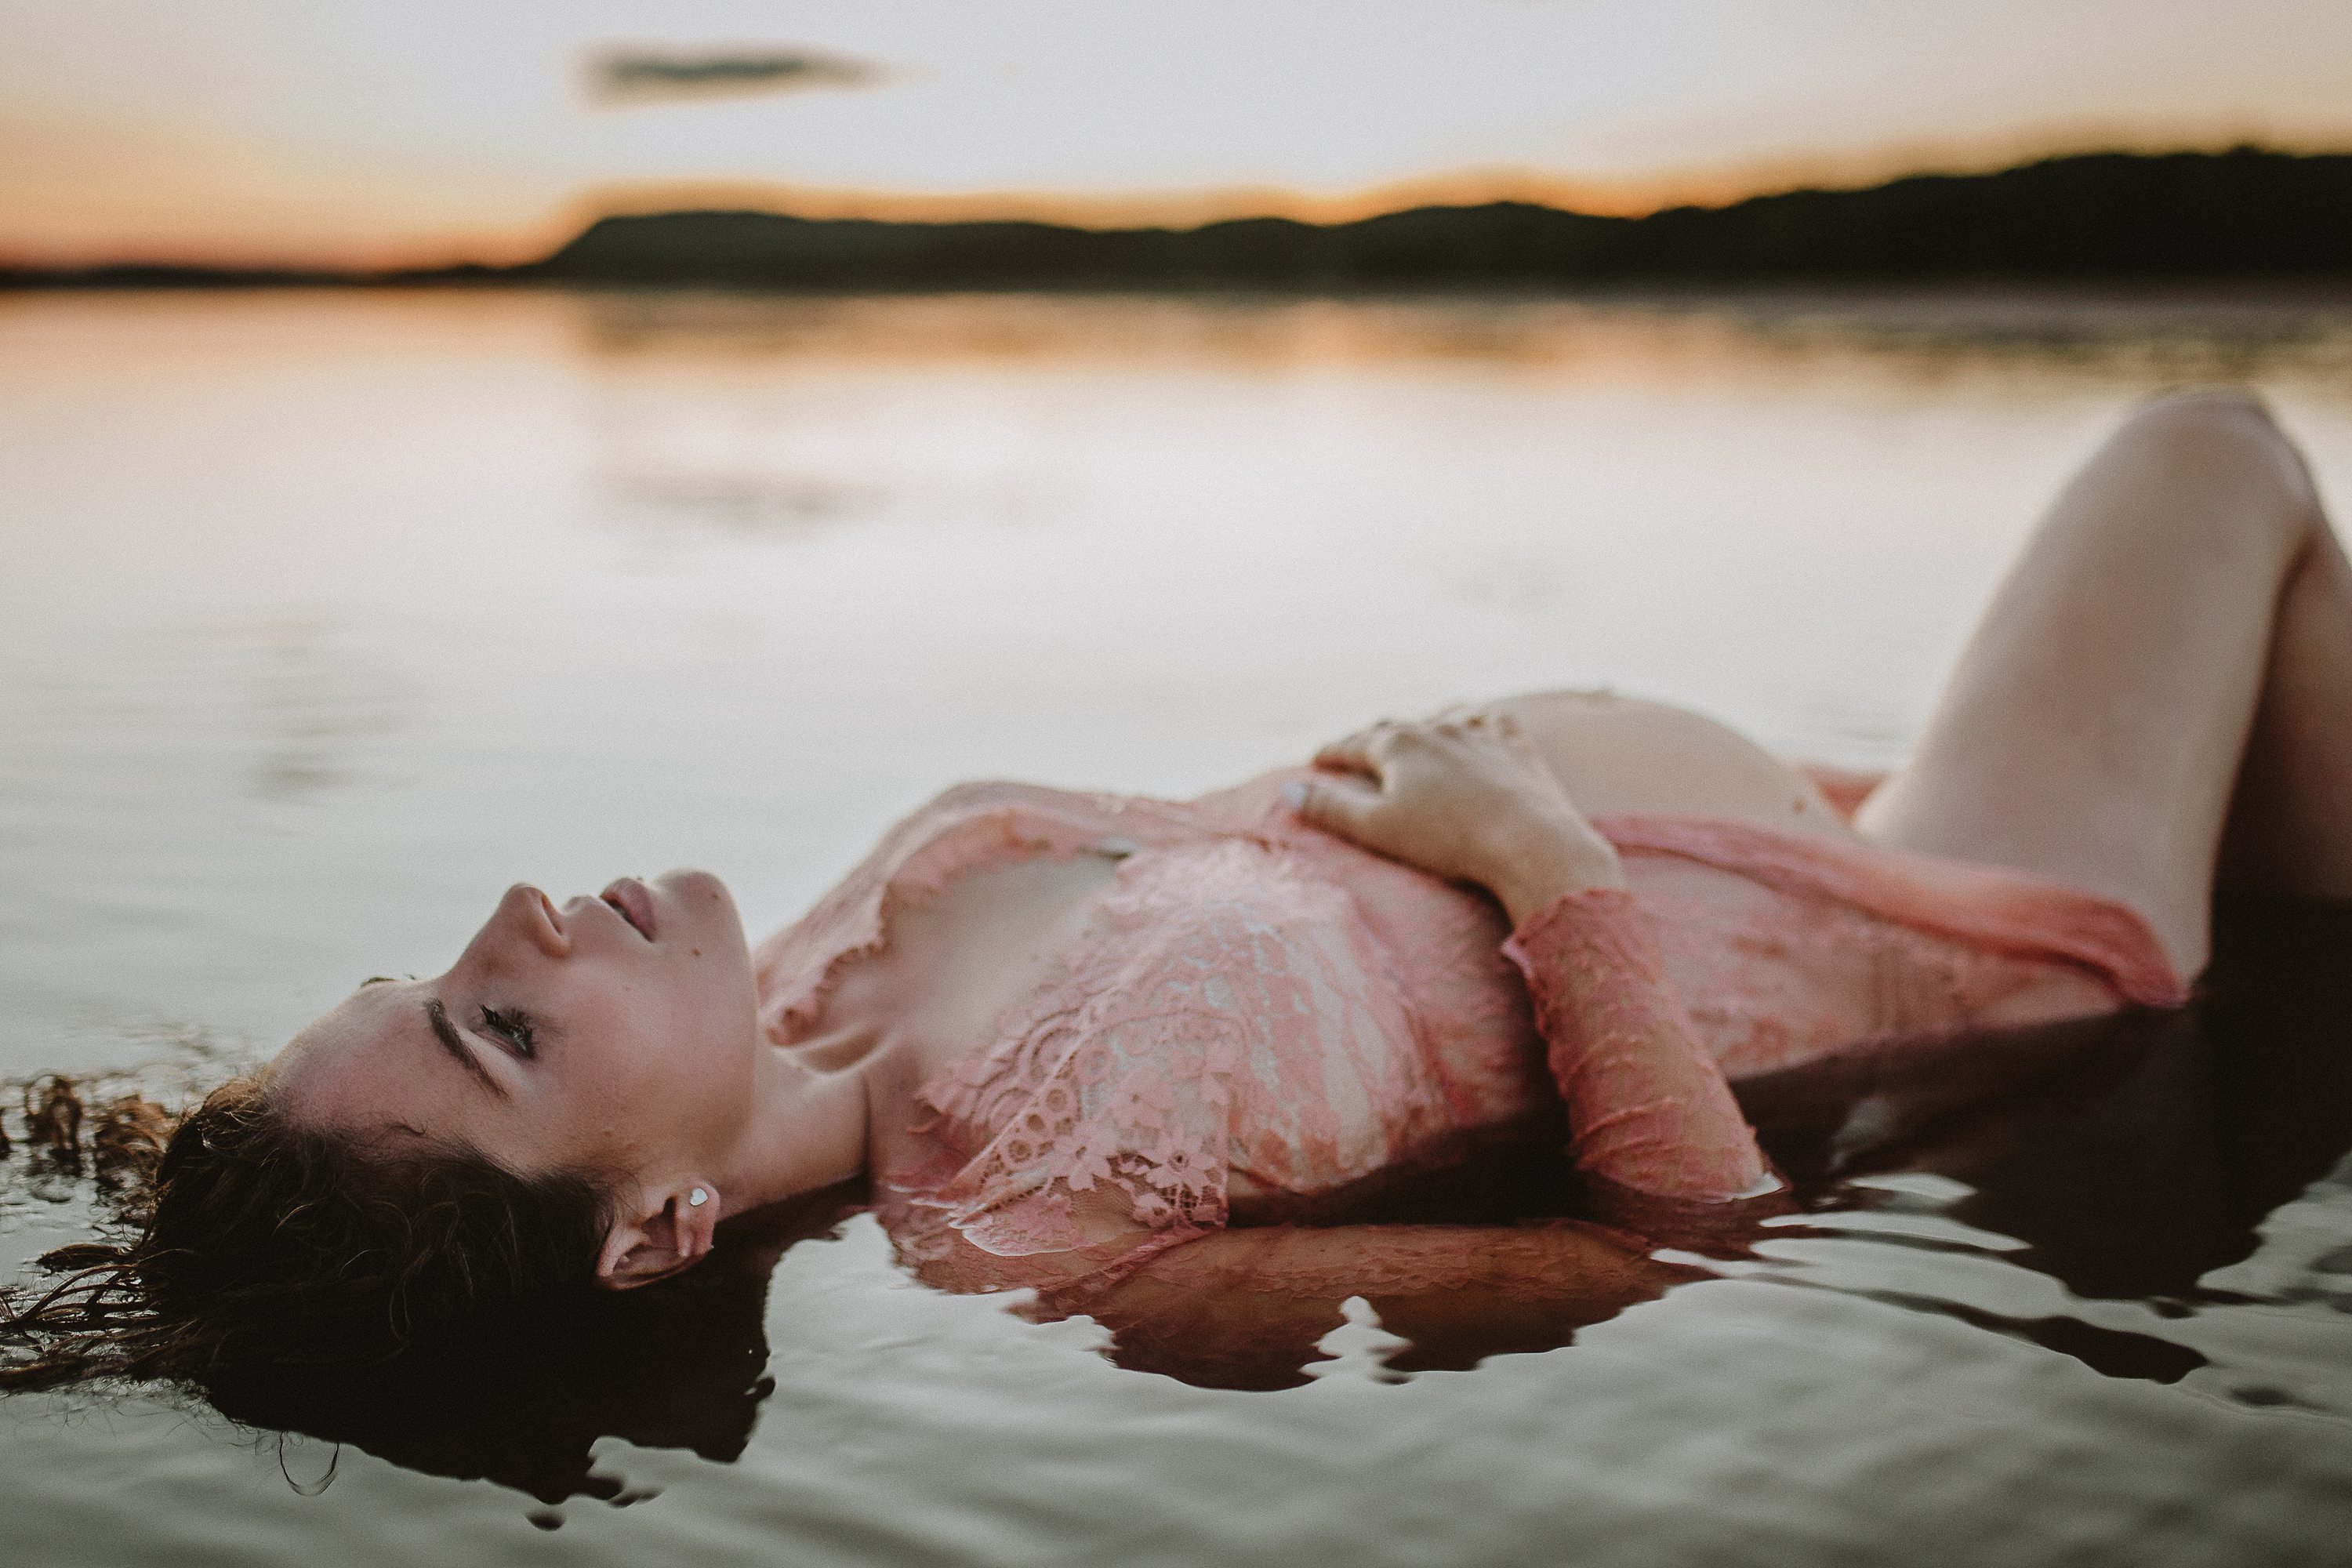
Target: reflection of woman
(1105, 1046)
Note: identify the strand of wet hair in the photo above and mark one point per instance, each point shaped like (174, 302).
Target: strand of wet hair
(89, 1320)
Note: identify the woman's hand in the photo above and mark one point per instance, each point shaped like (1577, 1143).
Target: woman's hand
(1461, 797)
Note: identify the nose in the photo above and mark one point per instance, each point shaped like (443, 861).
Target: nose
(526, 912)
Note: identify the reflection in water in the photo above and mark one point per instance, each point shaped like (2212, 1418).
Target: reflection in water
(738, 503)
(681, 1365)
(2231, 337)
(2098, 1273)
(2108, 1351)
(319, 702)
(2154, 335)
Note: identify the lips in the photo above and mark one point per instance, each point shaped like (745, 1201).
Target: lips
(633, 902)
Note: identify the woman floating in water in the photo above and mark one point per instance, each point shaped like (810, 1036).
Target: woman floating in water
(1164, 1063)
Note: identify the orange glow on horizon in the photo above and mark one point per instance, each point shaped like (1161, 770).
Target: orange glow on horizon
(1718, 186)
(262, 235)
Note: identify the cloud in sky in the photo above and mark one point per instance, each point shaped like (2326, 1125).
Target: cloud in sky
(637, 74)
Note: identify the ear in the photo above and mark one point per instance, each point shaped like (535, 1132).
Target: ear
(662, 1232)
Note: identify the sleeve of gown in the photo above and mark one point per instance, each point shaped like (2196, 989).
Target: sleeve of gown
(1652, 1117)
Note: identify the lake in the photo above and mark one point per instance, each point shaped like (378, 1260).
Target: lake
(325, 616)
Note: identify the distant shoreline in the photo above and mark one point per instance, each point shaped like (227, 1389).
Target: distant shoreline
(2102, 220)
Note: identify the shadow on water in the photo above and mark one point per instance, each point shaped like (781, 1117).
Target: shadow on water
(2124, 1158)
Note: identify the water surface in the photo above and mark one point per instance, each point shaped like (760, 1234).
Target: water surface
(324, 616)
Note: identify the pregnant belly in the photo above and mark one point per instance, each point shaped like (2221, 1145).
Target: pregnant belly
(1615, 754)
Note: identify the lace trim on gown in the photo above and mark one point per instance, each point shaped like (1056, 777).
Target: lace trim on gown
(966, 828)
(1224, 1014)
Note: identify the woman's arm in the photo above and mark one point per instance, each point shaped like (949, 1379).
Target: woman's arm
(1652, 1118)
(1243, 1308)
(1647, 1107)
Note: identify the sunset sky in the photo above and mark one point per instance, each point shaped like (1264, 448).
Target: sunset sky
(324, 131)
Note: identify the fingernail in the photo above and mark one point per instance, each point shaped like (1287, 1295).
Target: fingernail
(1294, 794)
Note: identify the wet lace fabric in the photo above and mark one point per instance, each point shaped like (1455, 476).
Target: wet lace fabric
(1258, 1014)
(1647, 1108)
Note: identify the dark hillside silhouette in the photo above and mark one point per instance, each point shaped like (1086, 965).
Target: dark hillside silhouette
(2097, 217)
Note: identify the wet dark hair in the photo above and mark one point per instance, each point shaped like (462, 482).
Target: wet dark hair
(301, 1283)
(241, 1243)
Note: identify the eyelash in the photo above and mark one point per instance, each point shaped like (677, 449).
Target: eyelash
(515, 1027)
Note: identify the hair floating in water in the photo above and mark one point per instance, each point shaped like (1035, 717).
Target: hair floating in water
(233, 1242)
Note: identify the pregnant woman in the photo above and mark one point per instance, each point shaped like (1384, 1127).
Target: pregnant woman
(1195, 1068)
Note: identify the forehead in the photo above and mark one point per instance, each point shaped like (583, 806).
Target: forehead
(369, 1063)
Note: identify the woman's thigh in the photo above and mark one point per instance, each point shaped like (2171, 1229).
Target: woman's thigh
(2092, 730)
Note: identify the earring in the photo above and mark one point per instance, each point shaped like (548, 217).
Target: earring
(697, 1199)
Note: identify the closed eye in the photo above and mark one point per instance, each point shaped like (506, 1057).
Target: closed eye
(513, 1026)
(446, 1033)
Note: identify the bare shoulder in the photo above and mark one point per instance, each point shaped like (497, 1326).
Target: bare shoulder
(1615, 754)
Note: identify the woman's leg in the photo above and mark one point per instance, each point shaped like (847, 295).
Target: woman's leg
(2168, 664)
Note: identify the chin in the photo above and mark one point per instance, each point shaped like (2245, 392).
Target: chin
(687, 882)
(704, 899)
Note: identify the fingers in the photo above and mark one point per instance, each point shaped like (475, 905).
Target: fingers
(1471, 713)
(1370, 749)
(1350, 753)
(1474, 718)
(1363, 752)
(1337, 804)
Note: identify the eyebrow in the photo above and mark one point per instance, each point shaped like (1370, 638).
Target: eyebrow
(446, 1033)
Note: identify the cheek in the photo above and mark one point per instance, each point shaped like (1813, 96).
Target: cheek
(666, 1067)
(660, 1061)
(712, 1023)
(604, 1083)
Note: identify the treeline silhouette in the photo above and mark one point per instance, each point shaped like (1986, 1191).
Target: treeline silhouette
(2102, 216)
(2247, 213)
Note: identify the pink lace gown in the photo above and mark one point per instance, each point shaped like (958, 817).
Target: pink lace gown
(1258, 1015)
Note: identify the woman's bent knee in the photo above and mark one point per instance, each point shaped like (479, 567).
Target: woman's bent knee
(2228, 431)
(2218, 450)
(2224, 410)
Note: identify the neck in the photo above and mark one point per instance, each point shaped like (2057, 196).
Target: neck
(806, 1129)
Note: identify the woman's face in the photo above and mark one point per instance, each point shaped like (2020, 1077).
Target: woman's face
(613, 1035)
